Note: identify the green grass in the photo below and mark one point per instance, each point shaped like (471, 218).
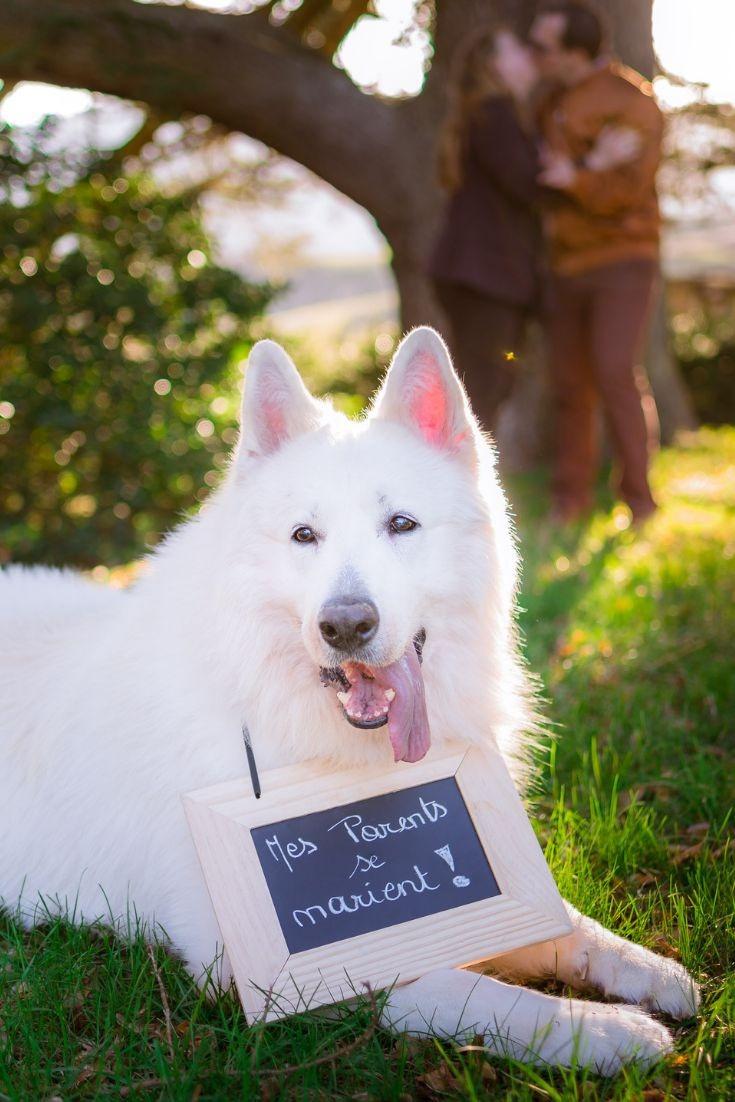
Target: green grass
(632, 636)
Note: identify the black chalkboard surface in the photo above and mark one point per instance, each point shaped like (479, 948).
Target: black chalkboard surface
(371, 864)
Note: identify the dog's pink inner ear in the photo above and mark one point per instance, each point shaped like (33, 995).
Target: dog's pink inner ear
(270, 410)
(272, 428)
(276, 405)
(427, 401)
(430, 405)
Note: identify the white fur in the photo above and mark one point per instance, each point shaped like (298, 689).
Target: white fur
(114, 703)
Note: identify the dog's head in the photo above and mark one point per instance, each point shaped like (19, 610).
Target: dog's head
(373, 538)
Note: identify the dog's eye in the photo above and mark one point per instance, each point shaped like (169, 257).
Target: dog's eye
(401, 523)
(303, 534)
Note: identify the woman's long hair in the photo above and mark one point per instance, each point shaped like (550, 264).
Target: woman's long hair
(471, 82)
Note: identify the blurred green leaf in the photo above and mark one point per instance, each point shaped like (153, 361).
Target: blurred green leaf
(120, 334)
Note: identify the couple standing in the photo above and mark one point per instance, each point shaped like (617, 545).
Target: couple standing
(555, 126)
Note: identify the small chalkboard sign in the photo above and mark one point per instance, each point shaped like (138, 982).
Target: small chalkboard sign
(374, 863)
(335, 879)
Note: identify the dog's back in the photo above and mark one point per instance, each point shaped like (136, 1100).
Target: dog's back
(51, 623)
(48, 620)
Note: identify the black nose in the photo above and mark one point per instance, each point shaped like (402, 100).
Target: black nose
(348, 623)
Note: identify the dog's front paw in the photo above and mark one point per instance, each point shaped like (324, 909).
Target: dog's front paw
(606, 1038)
(526, 1025)
(639, 976)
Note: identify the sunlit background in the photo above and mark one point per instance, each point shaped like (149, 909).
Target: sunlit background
(693, 41)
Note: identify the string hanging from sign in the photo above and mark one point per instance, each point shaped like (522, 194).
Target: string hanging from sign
(254, 778)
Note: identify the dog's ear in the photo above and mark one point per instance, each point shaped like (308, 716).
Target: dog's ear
(276, 406)
(422, 390)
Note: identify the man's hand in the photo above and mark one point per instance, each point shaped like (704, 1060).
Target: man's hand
(558, 171)
(615, 145)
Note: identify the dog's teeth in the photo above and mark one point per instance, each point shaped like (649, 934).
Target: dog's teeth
(343, 698)
(390, 694)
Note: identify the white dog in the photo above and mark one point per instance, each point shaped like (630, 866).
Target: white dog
(297, 601)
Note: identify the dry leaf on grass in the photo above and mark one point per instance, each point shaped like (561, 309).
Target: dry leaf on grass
(88, 1072)
(645, 878)
(439, 1080)
(660, 790)
(665, 948)
(488, 1073)
(680, 854)
(408, 1045)
(697, 828)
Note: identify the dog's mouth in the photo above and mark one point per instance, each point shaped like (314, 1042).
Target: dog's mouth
(373, 696)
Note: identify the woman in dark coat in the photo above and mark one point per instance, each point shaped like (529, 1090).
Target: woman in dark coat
(485, 262)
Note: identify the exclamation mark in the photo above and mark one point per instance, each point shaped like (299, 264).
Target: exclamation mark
(446, 855)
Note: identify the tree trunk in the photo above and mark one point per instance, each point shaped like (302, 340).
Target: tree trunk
(410, 241)
(673, 401)
(631, 32)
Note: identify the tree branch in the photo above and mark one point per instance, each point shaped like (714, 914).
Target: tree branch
(247, 75)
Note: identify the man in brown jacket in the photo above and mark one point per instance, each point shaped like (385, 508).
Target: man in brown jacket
(602, 227)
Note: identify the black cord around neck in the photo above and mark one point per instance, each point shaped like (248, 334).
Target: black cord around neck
(255, 779)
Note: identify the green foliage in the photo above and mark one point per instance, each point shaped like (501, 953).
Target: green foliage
(361, 365)
(703, 329)
(118, 357)
(632, 636)
(346, 371)
(711, 383)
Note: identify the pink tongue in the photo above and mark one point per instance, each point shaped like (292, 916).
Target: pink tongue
(408, 722)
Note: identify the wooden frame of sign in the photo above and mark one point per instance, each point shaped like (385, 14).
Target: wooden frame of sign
(326, 948)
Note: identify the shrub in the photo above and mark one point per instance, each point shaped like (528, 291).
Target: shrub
(118, 360)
